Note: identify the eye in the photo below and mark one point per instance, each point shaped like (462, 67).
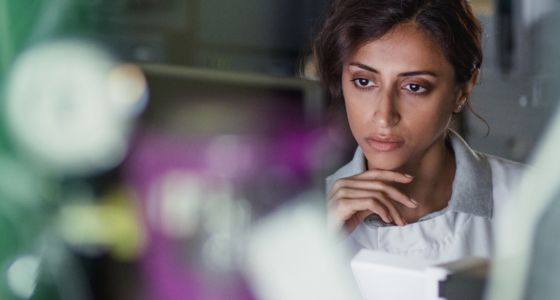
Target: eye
(416, 88)
(362, 82)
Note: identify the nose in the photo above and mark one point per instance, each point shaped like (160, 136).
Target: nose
(386, 112)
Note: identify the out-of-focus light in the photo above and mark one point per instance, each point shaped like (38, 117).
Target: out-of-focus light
(128, 89)
(60, 106)
(196, 207)
(310, 68)
(114, 225)
(226, 219)
(83, 225)
(182, 195)
(523, 101)
(224, 213)
(22, 276)
(229, 157)
(219, 252)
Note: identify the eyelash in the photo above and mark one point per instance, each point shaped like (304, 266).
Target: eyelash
(357, 85)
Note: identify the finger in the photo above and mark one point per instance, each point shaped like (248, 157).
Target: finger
(373, 175)
(384, 175)
(363, 189)
(344, 209)
(392, 210)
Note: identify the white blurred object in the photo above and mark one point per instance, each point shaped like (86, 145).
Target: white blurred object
(514, 238)
(22, 276)
(534, 10)
(385, 276)
(70, 105)
(291, 257)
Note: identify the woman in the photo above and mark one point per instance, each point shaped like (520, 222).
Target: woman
(414, 188)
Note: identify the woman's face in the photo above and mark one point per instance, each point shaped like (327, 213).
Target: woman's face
(400, 93)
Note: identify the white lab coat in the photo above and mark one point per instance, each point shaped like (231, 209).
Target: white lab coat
(482, 186)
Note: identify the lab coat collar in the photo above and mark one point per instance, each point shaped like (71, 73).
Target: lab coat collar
(472, 186)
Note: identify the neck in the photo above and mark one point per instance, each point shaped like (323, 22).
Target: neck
(433, 173)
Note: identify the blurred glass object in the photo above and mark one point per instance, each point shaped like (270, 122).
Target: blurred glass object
(291, 257)
(201, 195)
(22, 276)
(214, 153)
(69, 106)
(527, 264)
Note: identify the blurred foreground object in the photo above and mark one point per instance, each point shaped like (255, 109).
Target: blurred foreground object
(69, 106)
(202, 195)
(527, 261)
(382, 275)
(291, 257)
(527, 241)
(527, 249)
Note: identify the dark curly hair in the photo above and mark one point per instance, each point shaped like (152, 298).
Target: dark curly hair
(352, 23)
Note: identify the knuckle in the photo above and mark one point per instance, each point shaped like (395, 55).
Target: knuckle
(341, 193)
(378, 185)
(342, 205)
(337, 184)
(377, 194)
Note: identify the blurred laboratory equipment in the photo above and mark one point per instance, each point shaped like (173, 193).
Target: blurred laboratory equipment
(158, 207)
(513, 92)
(527, 262)
(222, 152)
(382, 275)
(290, 256)
(69, 106)
(68, 110)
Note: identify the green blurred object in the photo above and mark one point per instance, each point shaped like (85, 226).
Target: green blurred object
(17, 20)
(24, 215)
(21, 223)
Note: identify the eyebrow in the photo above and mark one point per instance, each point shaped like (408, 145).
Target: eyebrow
(412, 73)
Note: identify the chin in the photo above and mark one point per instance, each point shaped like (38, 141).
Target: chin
(385, 162)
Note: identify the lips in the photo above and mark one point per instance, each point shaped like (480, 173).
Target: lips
(384, 143)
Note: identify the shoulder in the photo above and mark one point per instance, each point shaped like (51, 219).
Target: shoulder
(506, 178)
(506, 171)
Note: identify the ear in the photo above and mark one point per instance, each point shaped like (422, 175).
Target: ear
(465, 92)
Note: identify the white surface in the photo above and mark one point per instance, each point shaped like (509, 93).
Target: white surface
(291, 257)
(514, 238)
(384, 276)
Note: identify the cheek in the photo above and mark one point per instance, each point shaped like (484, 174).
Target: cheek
(356, 114)
(432, 121)
(356, 109)
(430, 117)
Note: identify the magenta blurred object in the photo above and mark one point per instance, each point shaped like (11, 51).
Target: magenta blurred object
(264, 171)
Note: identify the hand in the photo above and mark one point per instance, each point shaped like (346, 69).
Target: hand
(353, 198)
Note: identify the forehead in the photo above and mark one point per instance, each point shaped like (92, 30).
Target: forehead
(402, 49)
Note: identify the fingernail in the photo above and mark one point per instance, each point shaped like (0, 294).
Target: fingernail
(414, 201)
(404, 221)
(409, 176)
